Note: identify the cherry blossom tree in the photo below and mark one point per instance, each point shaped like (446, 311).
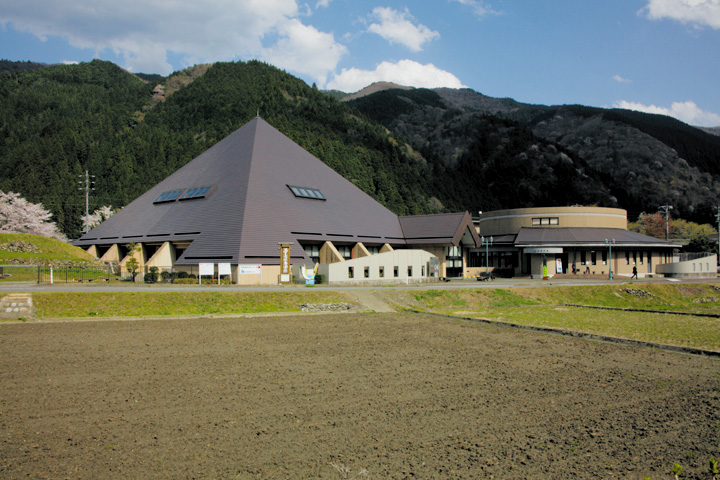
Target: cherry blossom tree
(98, 216)
(17, 215)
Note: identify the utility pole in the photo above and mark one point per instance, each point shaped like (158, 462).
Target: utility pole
(87, 183)
(487, 242)
(666, 211)
(610, 244)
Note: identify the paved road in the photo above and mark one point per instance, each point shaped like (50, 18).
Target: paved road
(460, 283)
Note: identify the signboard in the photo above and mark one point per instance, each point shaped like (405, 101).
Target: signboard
(207, 269)
(543, 250)
(558, 265)
(255, 269)
(284, 262)
(224, 269)
(434, 269)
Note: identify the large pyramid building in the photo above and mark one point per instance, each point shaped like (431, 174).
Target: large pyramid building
(235, 203)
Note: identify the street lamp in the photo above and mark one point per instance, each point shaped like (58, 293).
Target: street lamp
(610, 244)
(665, 209)
(487, 242)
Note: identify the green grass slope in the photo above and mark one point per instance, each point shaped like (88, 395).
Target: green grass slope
(49, 252)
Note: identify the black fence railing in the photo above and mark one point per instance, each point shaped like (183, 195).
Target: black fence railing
(116, 273)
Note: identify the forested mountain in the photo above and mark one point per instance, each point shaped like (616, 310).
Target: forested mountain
(620, 158)
(59, 121)
(415, 150)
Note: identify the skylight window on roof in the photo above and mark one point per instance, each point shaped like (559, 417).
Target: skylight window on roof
(306, 192)
(170, 196)
(196, 192)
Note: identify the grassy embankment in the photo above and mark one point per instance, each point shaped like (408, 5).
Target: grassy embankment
(49, 252)
(138, 304)
(548, 308)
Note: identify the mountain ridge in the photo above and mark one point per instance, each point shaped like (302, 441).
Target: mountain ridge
(415, 150)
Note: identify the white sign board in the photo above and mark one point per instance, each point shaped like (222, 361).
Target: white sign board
(224, 269)
(543, 250)
(250, 269)
(207, 269)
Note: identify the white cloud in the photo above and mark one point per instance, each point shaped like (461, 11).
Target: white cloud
(620, 79)
(322, 3)
(397, 27)
(687, 112)
(694, 12)
(477, 7)
(145, 32)
(404, 72)
(306, 50)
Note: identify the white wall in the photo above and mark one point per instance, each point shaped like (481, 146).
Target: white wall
(705, 267)
(337, 273)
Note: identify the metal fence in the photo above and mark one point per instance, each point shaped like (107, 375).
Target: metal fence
(110, 273)
(687, 256)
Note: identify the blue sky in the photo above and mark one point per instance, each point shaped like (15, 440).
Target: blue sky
(659, 56)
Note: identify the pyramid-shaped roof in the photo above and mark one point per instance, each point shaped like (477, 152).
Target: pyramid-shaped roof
(251, 190)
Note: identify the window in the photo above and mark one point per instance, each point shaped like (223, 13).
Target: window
(307, 192)
(345, 251)
(170, 196)
(627, 258)
(593, 258)
(396, 272)
(409, 271)
(453, 252)
(312, 251)
(546, 221)
(373, 250)
(381, 272)
(604, 258)
(640, 256)
(367, 272)
(351, 272)
(196, 192)
(583, 258)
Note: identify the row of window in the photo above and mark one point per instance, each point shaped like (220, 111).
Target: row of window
(345, 251)
(497, 259)
(546, 221)
(381, 272)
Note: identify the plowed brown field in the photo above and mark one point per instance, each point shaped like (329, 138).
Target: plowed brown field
(344, 396)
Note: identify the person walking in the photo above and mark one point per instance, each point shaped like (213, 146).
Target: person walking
(634, 275)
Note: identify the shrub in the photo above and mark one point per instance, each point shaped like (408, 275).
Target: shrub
(182, 274)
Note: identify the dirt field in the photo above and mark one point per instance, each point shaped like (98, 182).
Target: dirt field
(380, 395)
